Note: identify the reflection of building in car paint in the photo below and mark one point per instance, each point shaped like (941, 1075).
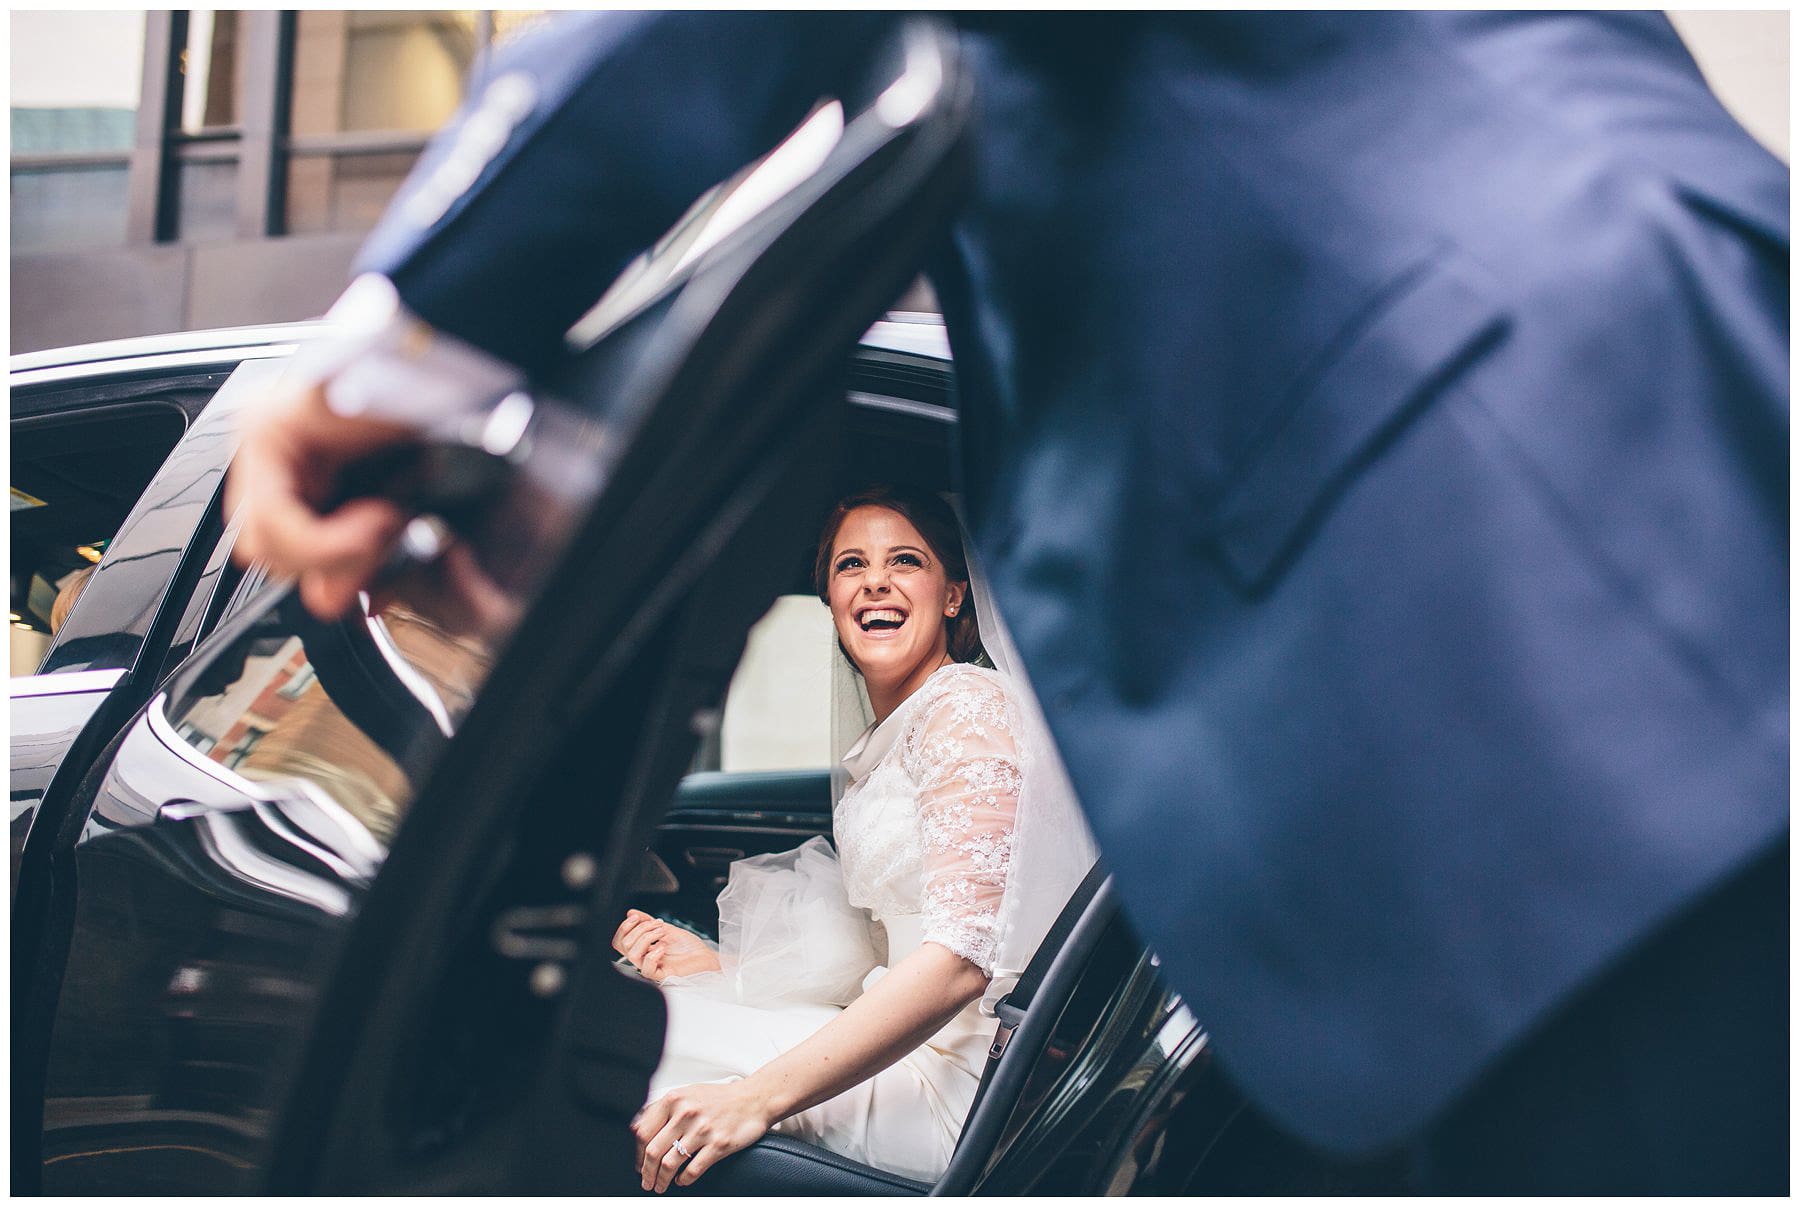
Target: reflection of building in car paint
(277, 721)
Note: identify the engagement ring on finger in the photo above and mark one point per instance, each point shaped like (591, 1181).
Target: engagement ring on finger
(683, 1150)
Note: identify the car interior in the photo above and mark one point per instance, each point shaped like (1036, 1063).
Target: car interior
(729, 806)
(760, 779)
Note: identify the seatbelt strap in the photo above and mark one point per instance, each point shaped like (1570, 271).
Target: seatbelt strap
(1010, 1010)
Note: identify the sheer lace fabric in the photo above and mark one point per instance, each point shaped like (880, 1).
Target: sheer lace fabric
(966, 762)
(930, 829)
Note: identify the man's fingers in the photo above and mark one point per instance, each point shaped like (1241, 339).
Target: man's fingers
(276, 517)
(292, 452)
(329, 596)
(350, 546)
(355, 537)
(659, 1147)
(649, 1122)
(342, 550)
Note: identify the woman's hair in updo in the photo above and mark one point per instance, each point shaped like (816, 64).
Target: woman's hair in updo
(936, 522)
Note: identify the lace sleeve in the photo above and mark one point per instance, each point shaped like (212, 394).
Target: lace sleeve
(967, 765)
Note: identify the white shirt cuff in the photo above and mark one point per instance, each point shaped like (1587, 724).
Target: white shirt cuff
(381, 361)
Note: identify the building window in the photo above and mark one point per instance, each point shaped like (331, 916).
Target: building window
(133, 127)
(245, 744)
(210, 89)
(76, 78)
(369, 87)
(389, 71)
(296, 687)
(67, 207)
(205, 133)
(190, 733)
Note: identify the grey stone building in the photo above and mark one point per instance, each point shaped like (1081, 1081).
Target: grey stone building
(208, 168)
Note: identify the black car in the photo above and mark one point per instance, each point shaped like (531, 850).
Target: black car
(305, 907)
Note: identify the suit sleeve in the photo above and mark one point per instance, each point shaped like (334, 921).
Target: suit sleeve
(583, 143)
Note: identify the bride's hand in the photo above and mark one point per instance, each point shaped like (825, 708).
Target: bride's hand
(711, 1121)
(660, 949)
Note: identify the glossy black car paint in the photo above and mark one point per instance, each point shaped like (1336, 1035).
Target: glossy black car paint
(116, 634)
(47, 718)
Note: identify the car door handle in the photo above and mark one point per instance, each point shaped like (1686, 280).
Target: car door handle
(711, 859)
(539, 932)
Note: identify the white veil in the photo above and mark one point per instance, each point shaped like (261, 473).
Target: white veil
(1052, 848)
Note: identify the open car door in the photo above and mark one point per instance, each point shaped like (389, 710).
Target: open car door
(339, 901)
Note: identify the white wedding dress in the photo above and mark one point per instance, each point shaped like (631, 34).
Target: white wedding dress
(925, 834)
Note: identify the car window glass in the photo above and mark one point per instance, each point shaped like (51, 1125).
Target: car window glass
(324, 715)
(74, 480)
(777, 714)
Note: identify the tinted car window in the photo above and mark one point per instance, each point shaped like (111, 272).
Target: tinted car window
(74, 480)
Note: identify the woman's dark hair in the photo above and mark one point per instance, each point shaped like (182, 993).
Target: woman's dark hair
(936, 522)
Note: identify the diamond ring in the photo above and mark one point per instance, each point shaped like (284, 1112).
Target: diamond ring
(683, 1150)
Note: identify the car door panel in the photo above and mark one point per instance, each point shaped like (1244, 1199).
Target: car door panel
(116, 633)
(48, 715)
(209, 884)
(140, 588)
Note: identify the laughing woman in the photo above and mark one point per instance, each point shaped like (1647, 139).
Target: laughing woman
(845, 1006)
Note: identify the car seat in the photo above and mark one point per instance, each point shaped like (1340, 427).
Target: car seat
(780, 1165)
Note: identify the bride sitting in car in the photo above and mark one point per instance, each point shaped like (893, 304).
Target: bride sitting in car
(849, 1003)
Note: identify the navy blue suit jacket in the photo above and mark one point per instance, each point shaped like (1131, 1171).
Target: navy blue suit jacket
(1376, 427)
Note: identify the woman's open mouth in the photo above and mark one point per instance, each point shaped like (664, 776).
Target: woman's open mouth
(880, 622)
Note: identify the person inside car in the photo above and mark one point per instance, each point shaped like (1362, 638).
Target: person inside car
(846, 1009)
